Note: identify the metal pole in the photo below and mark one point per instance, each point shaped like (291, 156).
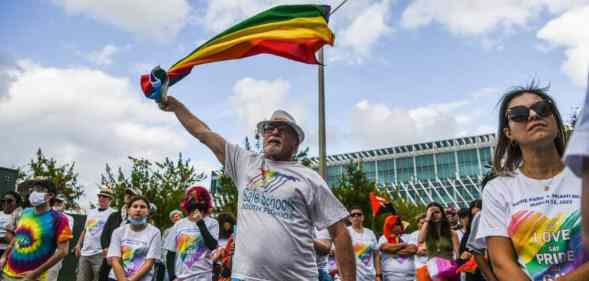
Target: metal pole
(321, 80)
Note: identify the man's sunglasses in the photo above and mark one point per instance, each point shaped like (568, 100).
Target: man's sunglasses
(521, 113)
(355, 214)
(268, 128)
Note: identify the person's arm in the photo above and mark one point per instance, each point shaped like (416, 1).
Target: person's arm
(580, 274)
(409, 249)
(344, 252)
(322, 246)
(455, 245)
(484, 267)
(5, 254)
(422, 234)
(209, 240)
(377, 265)
(117, 268)
(60, 253)
(392, 249)
(503, 259)
(197, 128)
(144, 269)
(171, 265)
(79, 244)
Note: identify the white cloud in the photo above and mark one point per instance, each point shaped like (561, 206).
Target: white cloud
(569, 32)
(82, 115)
(255, 100)
(103, 56)
(475, 17)
(424, 123)
(160, 20)
(358, 25)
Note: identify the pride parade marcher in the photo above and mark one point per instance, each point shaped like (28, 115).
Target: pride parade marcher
(192, 240)
(41, 239)
(135, 246)
(280, 202)
(59, 206)
(322, 244)
(398, 251)
(368, 265)
(530, 216)
(88, 249)
(11, 202)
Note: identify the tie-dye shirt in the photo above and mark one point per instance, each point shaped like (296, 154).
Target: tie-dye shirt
(542, 219)
(95, 222)
(134, 248)
(365, 245)
(395, 267)
(37, 236)
(193, 258)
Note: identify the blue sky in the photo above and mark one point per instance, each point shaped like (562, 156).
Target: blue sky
(400, 72)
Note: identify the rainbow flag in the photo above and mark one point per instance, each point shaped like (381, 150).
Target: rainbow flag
(294, 32)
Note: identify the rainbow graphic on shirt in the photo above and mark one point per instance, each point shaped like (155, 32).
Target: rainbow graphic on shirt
(133, 258)
(547, 247)
(36, 237)
(94, 226)
(270, 180)
(190, 248)
(363, 252)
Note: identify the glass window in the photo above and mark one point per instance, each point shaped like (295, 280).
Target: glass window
(404, 169)
(334, 173)
(386, 171)
(485, 154)
(446, 164)
(369, 169)
(468, 162)
(424, 165)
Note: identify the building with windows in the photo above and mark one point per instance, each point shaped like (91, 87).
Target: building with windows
(446, 171)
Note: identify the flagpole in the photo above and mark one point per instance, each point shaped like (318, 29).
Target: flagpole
(321, 95)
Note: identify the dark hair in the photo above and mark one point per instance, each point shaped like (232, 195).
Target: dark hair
(222, 219)
(474, 204)
(487, 178)
(357, 207)
(463, 212)
(137, 198)
(432, 234)
(508, 155)
(16, 196)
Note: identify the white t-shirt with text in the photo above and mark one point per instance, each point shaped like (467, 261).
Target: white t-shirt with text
(365, 246)
(95, 222)
(193, 258)
(542, 219)
(134, 248)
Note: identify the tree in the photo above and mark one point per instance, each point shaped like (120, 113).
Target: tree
(354, 188)
(64, 176)
(162, 183)
(226, 193)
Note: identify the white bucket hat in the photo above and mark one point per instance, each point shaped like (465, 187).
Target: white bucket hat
(283, 117)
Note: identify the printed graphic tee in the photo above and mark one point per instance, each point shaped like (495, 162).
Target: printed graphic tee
(37, 236)
(397, 267)
(6, 223)
(94, 226)
(365, 245)
(193, 258)
(279, 205)
(542, 219)
(134, 248)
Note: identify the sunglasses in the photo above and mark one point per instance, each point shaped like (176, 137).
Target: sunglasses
(521, 113)
(356, 214)
(268, 128)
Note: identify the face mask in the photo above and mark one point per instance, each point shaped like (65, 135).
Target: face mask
(139, 221)
(37, 198)
(59, 209)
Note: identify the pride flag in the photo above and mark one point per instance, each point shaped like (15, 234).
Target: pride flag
(294, 32)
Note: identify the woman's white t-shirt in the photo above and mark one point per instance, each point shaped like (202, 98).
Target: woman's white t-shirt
(134, 248)
(541, 217)
(365, 245)
(396, 267)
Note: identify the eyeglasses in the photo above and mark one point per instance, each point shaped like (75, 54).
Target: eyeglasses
(521, 113)
(356, 214)
(268, 128)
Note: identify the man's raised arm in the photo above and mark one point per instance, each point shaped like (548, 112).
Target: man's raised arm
(197, 128)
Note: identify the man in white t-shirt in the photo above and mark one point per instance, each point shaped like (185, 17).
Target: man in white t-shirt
(368, 265)
(577, 159)
(88, 247)
(280, 204)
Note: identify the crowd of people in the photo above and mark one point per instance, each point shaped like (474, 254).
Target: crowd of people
(290, 226)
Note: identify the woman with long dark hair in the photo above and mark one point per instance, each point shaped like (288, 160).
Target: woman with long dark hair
(440, 240)
(531, 218)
